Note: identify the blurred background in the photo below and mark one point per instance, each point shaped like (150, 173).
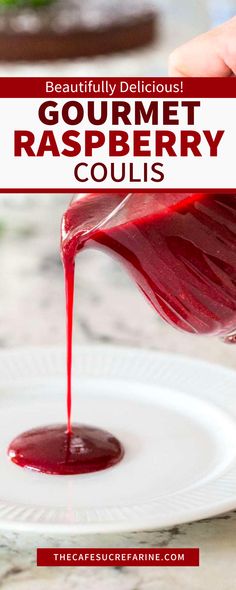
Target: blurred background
(31, 28)
(108, 307)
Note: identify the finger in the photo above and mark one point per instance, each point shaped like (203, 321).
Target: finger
(210, 54)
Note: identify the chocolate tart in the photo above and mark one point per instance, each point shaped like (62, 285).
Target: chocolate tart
(75, 28)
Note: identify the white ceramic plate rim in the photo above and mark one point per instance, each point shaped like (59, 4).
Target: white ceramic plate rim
(226, 498)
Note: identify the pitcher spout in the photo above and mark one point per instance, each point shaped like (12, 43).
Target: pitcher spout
(87, 214)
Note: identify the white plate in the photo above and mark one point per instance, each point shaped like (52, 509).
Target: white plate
(175, 416)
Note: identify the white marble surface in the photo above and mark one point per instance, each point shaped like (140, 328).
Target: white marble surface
(108, 309)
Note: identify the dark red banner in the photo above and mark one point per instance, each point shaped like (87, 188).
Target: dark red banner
(227, 191)
(164, 557)
(162, 87)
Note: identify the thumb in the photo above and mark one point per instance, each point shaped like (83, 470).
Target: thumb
(210, 54)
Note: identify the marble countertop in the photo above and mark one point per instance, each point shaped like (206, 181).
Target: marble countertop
(108, 309)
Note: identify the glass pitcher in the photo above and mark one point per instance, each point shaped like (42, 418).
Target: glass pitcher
(180, 250)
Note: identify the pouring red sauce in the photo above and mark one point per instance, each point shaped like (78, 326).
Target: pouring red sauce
(181, 252)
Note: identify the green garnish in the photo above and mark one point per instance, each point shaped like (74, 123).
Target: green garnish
(25, 3)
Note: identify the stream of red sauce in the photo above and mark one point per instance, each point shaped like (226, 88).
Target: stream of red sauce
(182, 257)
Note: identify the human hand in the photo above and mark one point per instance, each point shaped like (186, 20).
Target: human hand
(210, 54)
